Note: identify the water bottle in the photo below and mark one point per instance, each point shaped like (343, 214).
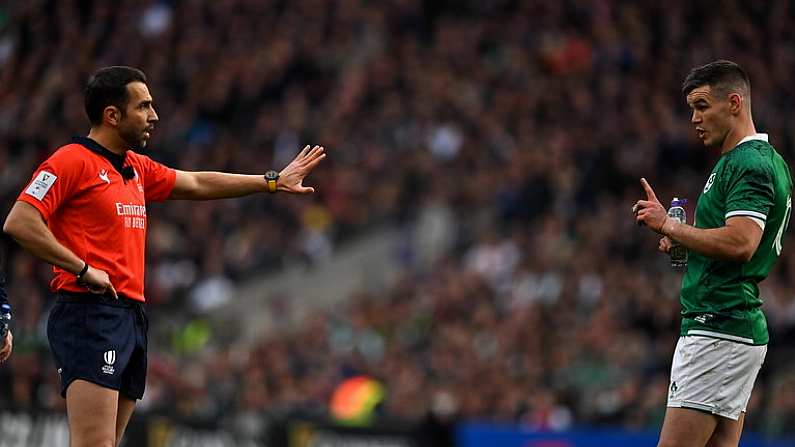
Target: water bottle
(678, 251)
(5, 320)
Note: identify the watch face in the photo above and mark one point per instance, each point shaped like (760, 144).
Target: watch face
(271, 175)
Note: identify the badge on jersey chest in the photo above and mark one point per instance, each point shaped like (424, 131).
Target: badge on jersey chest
(133, 215)
(710, 182)
(127, 196)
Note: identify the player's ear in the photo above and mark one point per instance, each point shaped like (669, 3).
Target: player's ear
(735, 103)
(112, 115)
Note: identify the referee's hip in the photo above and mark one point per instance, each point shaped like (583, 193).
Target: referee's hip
(65, 296)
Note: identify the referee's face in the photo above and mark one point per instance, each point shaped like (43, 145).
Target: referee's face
(139, 118)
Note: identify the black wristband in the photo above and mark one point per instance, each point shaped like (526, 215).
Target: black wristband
(82, 272)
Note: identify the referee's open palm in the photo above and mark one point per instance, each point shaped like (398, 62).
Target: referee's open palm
(97, 281)
(292, 176)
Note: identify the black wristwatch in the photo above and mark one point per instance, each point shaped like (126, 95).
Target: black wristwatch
(271, 177)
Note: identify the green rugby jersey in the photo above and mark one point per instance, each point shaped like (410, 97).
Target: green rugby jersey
(721, 298)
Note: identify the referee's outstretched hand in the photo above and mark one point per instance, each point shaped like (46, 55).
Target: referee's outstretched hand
(98, 281)
(292, 176)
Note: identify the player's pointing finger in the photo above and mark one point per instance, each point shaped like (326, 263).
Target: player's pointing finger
(649, 192)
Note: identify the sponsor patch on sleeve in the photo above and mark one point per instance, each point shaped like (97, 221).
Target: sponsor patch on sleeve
(41, 184)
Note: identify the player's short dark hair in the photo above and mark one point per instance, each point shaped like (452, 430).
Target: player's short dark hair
(722, 76)
(108, 87)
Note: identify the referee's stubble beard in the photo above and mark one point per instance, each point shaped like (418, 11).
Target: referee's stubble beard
(134, 135)
(138, 119)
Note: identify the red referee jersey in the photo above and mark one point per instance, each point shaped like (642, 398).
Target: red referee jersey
(95, 212)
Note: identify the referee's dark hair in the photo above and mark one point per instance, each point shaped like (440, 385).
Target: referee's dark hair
(108, 87)
(722, 76)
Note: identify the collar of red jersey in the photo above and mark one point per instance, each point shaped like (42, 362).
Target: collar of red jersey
(115, 159)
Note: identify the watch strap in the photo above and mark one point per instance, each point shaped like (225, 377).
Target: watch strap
(271, 180)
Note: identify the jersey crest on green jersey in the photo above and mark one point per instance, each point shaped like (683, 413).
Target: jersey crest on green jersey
(710, 181)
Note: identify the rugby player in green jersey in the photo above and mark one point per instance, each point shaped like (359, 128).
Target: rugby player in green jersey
(735, 239)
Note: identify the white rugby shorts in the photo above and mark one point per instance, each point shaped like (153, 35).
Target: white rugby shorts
(714, 375)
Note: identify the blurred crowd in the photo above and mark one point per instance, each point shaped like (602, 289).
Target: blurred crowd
(507, 139)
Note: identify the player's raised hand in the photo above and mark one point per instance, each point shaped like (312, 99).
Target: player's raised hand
(292, 176)
(650, 212)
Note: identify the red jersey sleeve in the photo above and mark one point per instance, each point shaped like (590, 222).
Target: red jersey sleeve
(54, 182)
(158, 179)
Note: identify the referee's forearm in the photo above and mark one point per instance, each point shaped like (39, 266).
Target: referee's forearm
(25, 225)
(216, 185)
(49, 250)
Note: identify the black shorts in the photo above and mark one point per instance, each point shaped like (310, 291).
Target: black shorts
(101, 340)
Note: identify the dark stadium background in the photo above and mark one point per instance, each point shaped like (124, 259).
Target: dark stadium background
(493, 147)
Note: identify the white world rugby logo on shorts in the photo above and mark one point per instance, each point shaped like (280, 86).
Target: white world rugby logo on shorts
(110, 359)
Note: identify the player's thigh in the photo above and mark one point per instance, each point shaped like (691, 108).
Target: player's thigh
(684, 427)
(125, 411)
(91, 410)
(727, 433)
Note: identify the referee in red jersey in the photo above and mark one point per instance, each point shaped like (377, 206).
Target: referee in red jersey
(84, 212)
